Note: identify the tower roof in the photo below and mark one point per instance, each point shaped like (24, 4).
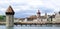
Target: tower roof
(38, 12)
(59, 12)
(10, 9)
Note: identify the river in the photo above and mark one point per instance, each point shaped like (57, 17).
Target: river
(31, 27)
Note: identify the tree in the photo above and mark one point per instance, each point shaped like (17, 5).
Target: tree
(2, 17)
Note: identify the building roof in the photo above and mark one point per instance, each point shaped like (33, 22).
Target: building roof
(35, 17)
(42, 17)
(10, 9)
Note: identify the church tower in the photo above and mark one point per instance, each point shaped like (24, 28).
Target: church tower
(46, 15)
(38, 14)
(9, 17)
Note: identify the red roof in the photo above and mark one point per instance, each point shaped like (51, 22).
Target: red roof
(10, 9)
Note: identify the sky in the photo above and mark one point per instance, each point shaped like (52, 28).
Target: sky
(25, 8)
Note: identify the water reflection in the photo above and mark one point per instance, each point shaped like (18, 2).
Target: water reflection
(9, 28)
(31, 27)
(48, 25)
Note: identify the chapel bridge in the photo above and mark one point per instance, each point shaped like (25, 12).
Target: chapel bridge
(18, 23)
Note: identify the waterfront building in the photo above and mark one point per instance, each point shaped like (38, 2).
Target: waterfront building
(56, 17)
(38, 17)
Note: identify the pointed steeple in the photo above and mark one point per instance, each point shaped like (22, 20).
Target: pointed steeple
(10, 10)
(46, 15)
(38, 12)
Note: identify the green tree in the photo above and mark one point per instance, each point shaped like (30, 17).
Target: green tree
(2, 17)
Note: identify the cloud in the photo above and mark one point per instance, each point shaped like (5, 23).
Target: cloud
(28, 7)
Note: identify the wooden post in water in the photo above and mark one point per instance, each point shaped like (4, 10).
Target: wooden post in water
(9, 17)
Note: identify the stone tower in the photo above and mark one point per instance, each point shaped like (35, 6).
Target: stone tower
(38, 14)
(9, 17)
(46, 15)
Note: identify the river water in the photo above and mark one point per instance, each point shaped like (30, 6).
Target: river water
(31, 27)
